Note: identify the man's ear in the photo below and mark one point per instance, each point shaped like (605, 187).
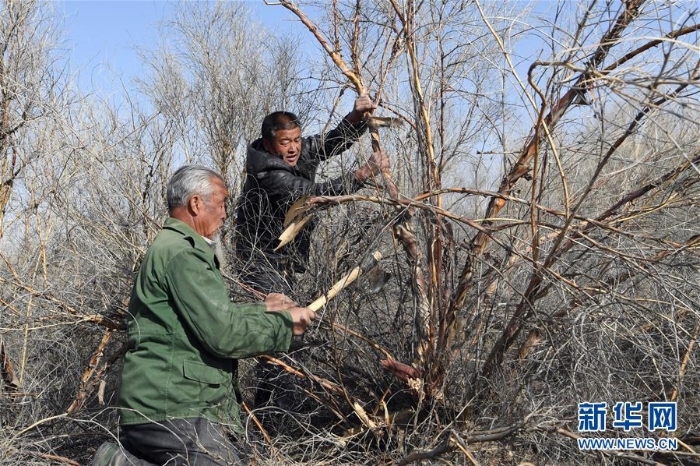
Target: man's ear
(194, 204)
(267, 146)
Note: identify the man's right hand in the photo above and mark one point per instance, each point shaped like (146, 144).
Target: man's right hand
(376, 164)
(301, 316)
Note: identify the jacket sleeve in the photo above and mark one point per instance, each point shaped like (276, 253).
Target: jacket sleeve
(334, 142)
(223, 328)
(284, 185)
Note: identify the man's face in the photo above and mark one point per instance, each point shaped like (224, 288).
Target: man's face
(287, 144)
(211, 212)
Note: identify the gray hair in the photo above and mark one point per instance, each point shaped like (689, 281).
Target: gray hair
(187, 181)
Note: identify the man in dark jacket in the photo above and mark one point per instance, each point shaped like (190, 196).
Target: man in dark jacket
(185, 336)
(280, 168)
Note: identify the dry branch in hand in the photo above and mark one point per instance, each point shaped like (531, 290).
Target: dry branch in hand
(345, 281)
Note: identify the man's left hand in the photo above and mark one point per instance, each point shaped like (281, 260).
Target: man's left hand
(278, 302)
(363, 104)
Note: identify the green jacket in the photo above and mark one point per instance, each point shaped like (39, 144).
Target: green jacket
(185, 335)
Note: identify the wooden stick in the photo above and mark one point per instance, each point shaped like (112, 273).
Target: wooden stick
(349, 278)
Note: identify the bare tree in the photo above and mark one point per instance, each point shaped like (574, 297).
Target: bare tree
(538, 224)
(595, 194)
(32, 99)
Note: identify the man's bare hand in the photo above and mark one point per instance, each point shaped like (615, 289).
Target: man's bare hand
(301, 318)
(376, 164)
(363, 104)
(278, 302)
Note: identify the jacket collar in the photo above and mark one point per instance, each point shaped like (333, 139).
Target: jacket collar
(194, 238)
(259, 160)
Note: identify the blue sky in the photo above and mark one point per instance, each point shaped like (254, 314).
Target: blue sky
(102, 35)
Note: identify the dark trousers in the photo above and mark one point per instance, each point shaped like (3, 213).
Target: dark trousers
(276, 391)
(179, 442)
(268, 278)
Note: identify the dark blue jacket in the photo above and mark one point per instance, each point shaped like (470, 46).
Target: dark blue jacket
(271, 187)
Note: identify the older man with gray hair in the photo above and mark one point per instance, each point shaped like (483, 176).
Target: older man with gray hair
(185, 336)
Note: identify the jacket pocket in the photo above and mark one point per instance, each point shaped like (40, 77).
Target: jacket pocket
(198, 372)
